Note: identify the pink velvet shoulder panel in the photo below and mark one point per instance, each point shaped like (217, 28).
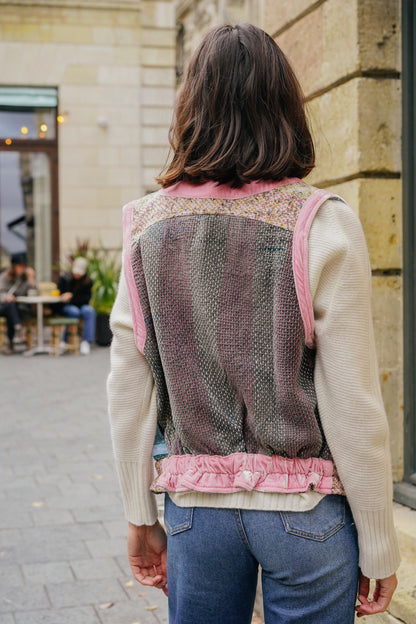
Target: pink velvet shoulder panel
(139, 326)
(300, 260)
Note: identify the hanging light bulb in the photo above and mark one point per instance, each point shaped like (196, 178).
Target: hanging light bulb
(24, 130)
(43, 127)
(60, 119)
(8, 141)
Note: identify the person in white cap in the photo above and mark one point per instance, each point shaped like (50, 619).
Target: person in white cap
(76, 289)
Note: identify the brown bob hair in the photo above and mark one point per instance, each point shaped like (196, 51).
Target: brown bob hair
(240, 114)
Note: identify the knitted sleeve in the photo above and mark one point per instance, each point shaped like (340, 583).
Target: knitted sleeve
(347, 383)
(132, 411)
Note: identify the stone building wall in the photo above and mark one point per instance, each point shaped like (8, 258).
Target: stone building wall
(199, 16)
(157, 85)
(347, 57)
(112, 62)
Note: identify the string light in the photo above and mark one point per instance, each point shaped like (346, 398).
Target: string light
(8, 141)
(42, 135)
(24, 130)
(43, 127)
(60, 119)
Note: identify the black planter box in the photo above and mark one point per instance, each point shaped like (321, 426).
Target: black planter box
(103, 334)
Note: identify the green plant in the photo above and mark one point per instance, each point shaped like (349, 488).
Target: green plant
(104, 269)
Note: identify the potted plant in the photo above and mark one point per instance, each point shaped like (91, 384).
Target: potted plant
(104, 270)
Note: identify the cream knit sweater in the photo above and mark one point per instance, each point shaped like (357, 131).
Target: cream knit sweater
(347, 388)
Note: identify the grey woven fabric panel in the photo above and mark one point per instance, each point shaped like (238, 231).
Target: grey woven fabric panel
(225, 337)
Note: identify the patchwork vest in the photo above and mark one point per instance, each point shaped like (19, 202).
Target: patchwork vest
(222, 312)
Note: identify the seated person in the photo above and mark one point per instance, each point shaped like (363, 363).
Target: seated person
(15, 282)
(76, 288)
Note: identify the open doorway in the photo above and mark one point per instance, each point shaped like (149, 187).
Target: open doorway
(29, 178)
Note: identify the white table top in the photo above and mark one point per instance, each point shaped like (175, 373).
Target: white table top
(38, 299)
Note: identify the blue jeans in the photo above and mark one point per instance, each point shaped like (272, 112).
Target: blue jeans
(309, 564)
(87, 313)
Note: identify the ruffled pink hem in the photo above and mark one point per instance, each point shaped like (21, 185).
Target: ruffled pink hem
(241, 471)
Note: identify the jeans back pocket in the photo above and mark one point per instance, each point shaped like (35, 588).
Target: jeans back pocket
(319, 523)
(177, 519)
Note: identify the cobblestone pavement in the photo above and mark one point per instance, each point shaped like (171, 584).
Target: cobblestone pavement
(62, 532)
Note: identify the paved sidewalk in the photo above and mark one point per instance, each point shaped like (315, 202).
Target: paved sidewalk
(62, 533)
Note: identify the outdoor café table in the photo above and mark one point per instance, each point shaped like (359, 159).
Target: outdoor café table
(39, 300)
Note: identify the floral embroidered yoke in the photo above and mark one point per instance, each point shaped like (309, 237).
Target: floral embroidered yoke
(222, 312)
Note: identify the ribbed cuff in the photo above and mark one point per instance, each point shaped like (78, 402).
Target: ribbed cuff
(378, 545)
(139, 502)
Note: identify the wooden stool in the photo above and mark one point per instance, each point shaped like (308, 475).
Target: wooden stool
(31, 328)
(29, 325)
(58, 324)
(3, 332)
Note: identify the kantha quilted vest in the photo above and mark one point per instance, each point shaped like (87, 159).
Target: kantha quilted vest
(219, 293)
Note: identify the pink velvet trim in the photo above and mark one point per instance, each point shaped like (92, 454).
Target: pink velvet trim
(214, 190)
(242, 471)
(300, 260)
(139, 326)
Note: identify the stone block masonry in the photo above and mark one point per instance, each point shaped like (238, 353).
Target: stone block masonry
(157, 87)
(347, 58)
